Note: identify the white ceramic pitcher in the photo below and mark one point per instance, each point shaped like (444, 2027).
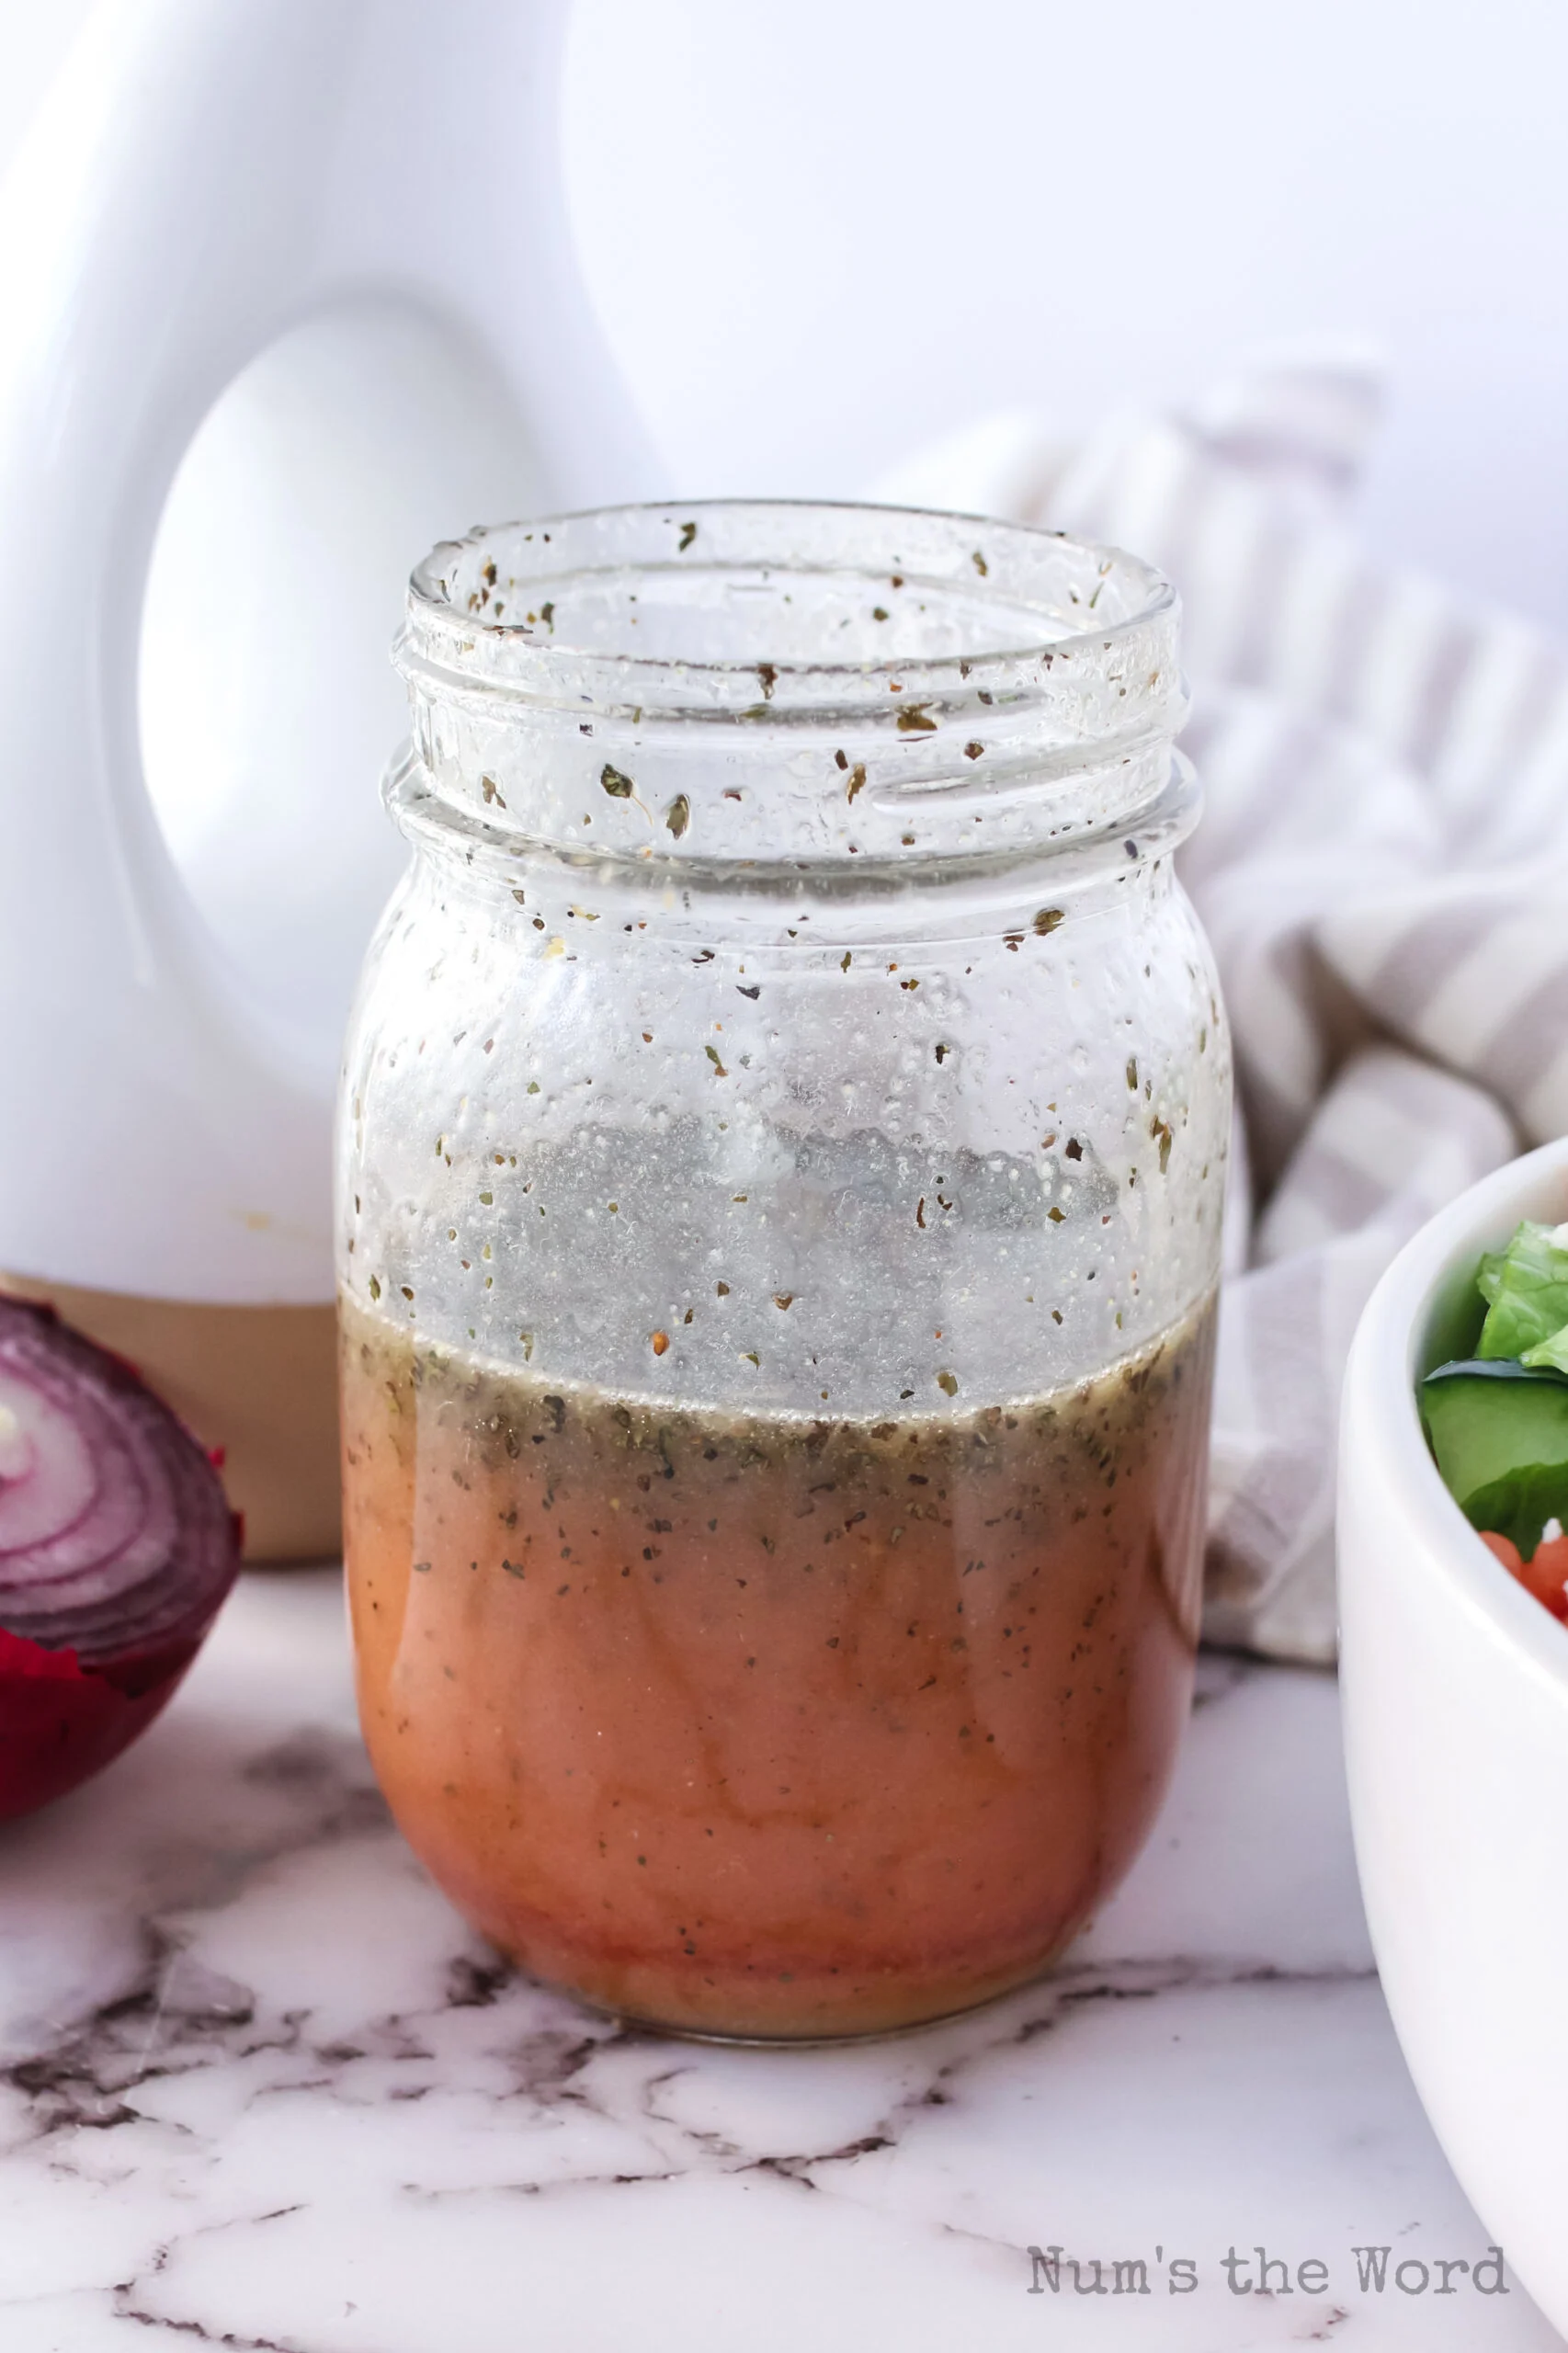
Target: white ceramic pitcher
(204, 178)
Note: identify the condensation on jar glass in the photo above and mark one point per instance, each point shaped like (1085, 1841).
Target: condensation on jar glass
(779, 1180)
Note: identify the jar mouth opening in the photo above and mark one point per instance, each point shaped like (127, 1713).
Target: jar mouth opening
(759, 608)
(758, 682)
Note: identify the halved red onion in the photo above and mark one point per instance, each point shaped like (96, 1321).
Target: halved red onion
(117, 1548)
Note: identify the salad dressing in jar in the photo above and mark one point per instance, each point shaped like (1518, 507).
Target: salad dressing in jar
(780, 1164)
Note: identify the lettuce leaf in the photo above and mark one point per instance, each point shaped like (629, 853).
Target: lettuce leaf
(1526, 1288)
(1551, 1353)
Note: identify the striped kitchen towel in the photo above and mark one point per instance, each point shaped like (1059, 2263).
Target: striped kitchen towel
(1381, 870)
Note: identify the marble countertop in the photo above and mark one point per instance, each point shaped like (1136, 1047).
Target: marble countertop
(262, 2090)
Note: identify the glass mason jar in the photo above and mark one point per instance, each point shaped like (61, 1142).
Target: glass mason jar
(780, 1166)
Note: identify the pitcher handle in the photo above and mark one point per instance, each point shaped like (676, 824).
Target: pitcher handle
(199, 179)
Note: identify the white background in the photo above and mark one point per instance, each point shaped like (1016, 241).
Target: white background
(820, 232)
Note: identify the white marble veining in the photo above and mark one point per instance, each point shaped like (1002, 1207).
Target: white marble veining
(260, 2088)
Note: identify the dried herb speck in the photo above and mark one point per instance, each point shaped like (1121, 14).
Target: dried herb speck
(678, 816)
(1048, 919)
(687, 533)
(618, 786)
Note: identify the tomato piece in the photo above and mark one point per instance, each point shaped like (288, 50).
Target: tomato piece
(1545, 1576)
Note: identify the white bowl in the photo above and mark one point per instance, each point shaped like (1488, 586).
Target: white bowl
(1455, 1686)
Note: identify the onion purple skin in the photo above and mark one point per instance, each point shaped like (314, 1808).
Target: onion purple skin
(116, 1550)
(56, 1732)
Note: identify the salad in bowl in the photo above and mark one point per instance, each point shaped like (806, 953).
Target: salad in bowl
(1496, 1419)
(1453, 1497)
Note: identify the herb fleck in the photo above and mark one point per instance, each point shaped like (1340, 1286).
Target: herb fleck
(618, 786)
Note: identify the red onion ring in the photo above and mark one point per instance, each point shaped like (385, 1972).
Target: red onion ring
(117, 1550)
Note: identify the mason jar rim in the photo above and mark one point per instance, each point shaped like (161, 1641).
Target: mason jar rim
(733, 739)
(460, 632)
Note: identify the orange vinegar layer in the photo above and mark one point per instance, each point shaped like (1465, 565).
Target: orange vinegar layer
(759, 1725)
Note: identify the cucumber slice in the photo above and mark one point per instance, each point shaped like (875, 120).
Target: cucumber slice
(1499, 1432)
